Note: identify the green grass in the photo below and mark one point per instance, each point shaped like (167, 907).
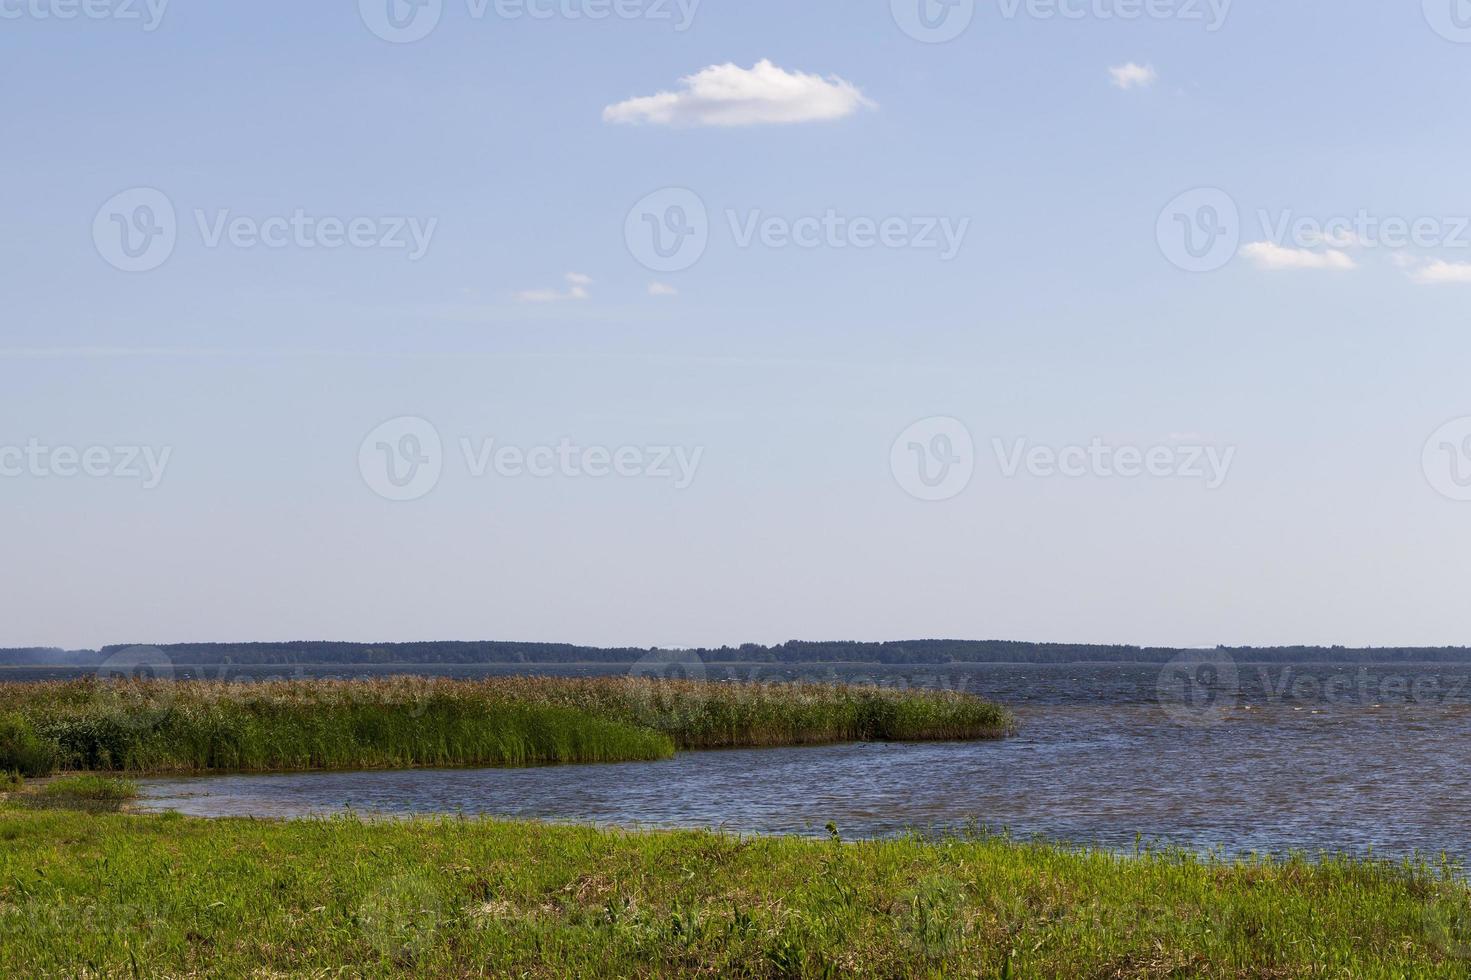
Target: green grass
(87, 894)
(164, 727)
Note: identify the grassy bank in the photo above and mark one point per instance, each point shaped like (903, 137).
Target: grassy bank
(402, 722)
(118, 895)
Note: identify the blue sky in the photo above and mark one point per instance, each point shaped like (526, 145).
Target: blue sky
(1331, 370)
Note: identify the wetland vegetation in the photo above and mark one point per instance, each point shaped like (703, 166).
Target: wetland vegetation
(115, 894)
(167, 727)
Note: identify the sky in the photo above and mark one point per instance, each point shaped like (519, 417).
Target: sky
(664, 323)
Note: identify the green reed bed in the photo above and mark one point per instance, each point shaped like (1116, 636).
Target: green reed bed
(159, 726)
(121, 895)
(700, 715)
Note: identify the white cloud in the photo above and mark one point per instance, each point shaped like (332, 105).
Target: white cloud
(1133, 76)
(1268, 255)
(1441, 272)
(728, 95)
(662, 289)
(577, 284)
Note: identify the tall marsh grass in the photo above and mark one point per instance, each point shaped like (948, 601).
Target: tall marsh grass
(162, 726)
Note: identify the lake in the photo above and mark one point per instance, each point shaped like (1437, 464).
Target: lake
(1207, 754)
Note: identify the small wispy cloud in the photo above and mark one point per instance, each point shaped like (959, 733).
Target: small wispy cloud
(1441, 273)
(728, 95)
(1276, 258)
(577, 284)
(1133, 75)
(662, 289)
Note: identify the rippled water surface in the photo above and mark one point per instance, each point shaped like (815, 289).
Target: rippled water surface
(1287, 761)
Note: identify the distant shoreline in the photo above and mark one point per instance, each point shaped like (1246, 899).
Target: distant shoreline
(502, 654)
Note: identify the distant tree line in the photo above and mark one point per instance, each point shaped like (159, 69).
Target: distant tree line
(908, 652)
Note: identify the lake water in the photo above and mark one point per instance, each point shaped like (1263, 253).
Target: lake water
(1205, 755)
